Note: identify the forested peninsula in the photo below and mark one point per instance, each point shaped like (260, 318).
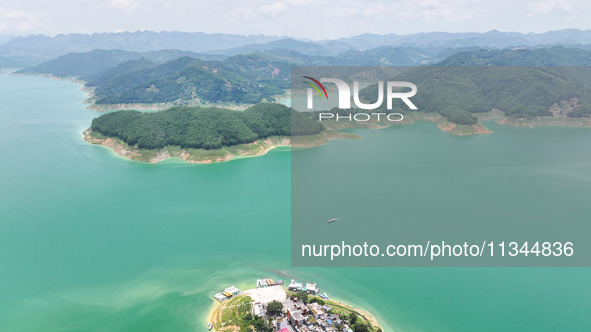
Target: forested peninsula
(204, 134)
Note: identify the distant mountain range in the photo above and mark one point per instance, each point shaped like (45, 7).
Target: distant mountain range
(86, 64)
(139, 41)
(45, 47)
(182, 77)
(309, 48)
(172, 76)
(258, 68)
(491, 38)
(551, 56)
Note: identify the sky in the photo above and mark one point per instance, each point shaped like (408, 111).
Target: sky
(310, 19)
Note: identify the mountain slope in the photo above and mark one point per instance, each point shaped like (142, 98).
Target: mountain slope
(522, 83)
(186, 80)
(553, 56)
(87, 64)
(308, 48)
(103, 77)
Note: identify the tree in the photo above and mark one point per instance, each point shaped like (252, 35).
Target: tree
(302, 296)
(360, 327)
(262, 325)
(352, 318)
(274, 308)
(458, 115)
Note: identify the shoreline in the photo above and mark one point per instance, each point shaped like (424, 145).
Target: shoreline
(212, 311)
(410, 118)
(263, 146)
(464, 130)
(155, 107)
(90, 98)
(200, 156)
(362, 312)
(543, 121)
(195, 156)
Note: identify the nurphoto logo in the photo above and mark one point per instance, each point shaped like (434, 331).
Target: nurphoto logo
(344, 98)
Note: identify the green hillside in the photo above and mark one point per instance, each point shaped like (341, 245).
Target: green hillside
(513, 81)
(187, 79)
(89, 64)
(202, 127)
(551, 56)
(123, 68)
(120, 77)
(81, 64)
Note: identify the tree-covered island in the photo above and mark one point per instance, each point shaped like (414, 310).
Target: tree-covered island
(204, 134)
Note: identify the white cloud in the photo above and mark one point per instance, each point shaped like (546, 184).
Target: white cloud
(315, 19)
(128, 6)
(17, 21)
(548, 6)
(273, 9)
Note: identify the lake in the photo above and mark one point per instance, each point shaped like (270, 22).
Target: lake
(90, 241)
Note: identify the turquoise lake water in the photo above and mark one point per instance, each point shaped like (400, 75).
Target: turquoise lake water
(90, 241)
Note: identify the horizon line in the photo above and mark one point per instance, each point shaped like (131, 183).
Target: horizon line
(11, 36)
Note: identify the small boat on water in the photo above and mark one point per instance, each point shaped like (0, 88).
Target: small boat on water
(333, 219)
(209, 326)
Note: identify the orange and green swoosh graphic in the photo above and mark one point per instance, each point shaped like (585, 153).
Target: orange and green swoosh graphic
(316, 87)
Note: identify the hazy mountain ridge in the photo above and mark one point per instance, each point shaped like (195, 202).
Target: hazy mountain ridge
(139, 41)
(229, 44)
(133, 77)
(184, 77)
(552, 56)
(305, 47)
(491, 38)
(89, 63)
(20, 61)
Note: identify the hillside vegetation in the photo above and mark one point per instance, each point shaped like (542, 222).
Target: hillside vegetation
(522, 83)
(514, 82)
(88, 64)
(186, 79)
(203, 127)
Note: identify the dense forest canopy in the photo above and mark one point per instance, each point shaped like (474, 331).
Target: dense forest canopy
(521, 92)
(203, 127)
